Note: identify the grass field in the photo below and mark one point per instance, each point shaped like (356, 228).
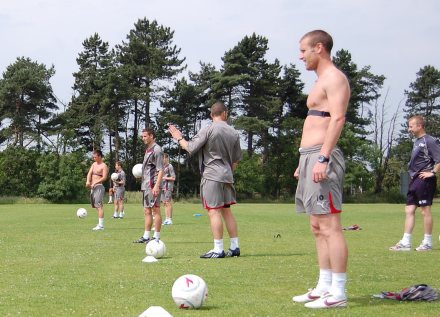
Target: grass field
(52, 264)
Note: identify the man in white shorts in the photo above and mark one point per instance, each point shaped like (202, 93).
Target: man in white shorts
(219, 151)
(321, 169)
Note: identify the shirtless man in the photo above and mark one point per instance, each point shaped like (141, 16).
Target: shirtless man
(321, 170)
(96, 176)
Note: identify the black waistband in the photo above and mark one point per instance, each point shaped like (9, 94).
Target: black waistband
(318, 113)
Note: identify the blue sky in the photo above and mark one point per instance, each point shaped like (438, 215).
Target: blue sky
(395, 37)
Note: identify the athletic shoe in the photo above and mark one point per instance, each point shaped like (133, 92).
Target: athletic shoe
(142, 240)
(307, 297)
(115, 216)
(110, 202)
(424, 247)
(401, 247)
(98, 227)
(233, 253)
(211, 255)
(122, 215)
(327, 301)
(168, 222)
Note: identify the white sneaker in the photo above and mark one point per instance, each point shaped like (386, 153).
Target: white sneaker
(307, 297)
(122, 215)
(168, 222)
(98, 227)
(424, 247)
(401, 247)
(327, 301)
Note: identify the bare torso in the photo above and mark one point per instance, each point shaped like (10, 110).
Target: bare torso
(315, 129)
(98, 171)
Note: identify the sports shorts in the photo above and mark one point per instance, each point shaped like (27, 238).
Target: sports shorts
(167, 196)
(216, 195)
(119, 192)
(320, 198)
(97, 195)
(149, 200)
(421, 191)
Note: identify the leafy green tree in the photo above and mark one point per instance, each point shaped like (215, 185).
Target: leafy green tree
(148, 59)
(18, 172)
(63, 177)
(423, 98)
(27, 101)
(84, 114)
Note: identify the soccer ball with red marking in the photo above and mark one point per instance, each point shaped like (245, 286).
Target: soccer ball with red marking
(189, 291)
(114, 176)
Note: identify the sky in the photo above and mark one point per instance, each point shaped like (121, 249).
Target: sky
(395, 37)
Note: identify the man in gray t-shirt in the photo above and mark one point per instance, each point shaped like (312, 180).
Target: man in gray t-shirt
(423, 167)
(218, 147)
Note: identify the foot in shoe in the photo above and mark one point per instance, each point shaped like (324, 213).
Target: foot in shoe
(310, 296)
(327, 301)
(213, 255)
(233, 253)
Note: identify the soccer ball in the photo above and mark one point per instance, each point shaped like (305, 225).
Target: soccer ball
(114, 176)
(189, 291)
(137, 170)
(156, 248)
(81, 213)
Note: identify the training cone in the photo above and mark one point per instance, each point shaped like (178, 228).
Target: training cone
(155, 311)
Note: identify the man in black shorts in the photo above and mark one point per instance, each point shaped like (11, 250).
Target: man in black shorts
(423, 167)
(219, 151)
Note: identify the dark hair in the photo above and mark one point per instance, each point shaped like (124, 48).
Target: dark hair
(98, 152)
(119, 163)
(149, 131)
(218, 108)
(319, 36)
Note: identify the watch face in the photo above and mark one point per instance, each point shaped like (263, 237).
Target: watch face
(322, 159)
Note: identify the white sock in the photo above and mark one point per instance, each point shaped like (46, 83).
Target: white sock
(146, 234)
(101, 222)
(156, 235)
(218, 246)
(427, 239)
(324, 282)
(338, 285)
(406, 238)
(115, 213)
(234, 243)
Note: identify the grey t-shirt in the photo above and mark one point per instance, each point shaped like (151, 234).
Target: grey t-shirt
(168, 171)
(153, 163)
(121, 178)
(425, 154)
(218, 145)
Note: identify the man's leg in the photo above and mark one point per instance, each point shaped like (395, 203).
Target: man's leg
(428, 223)
(332, 250)
(215, 218)
(231, 226)
(157, 222)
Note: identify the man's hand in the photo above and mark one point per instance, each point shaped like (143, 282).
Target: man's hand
(320, 172)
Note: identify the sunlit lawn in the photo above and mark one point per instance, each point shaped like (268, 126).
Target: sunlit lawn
(52, 264)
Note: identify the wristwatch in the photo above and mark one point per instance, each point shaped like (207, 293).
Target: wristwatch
(323, 159)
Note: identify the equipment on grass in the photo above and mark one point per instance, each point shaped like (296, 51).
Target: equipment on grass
(155, 311)
(114, 177)
(418, 292)
(156, 248)
(189, 291)
(81, 213)
(137, 170)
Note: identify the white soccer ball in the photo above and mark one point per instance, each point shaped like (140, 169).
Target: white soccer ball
(114, 176)
(189, 291)
(156, 248)
(137, 170)
(81, 213)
